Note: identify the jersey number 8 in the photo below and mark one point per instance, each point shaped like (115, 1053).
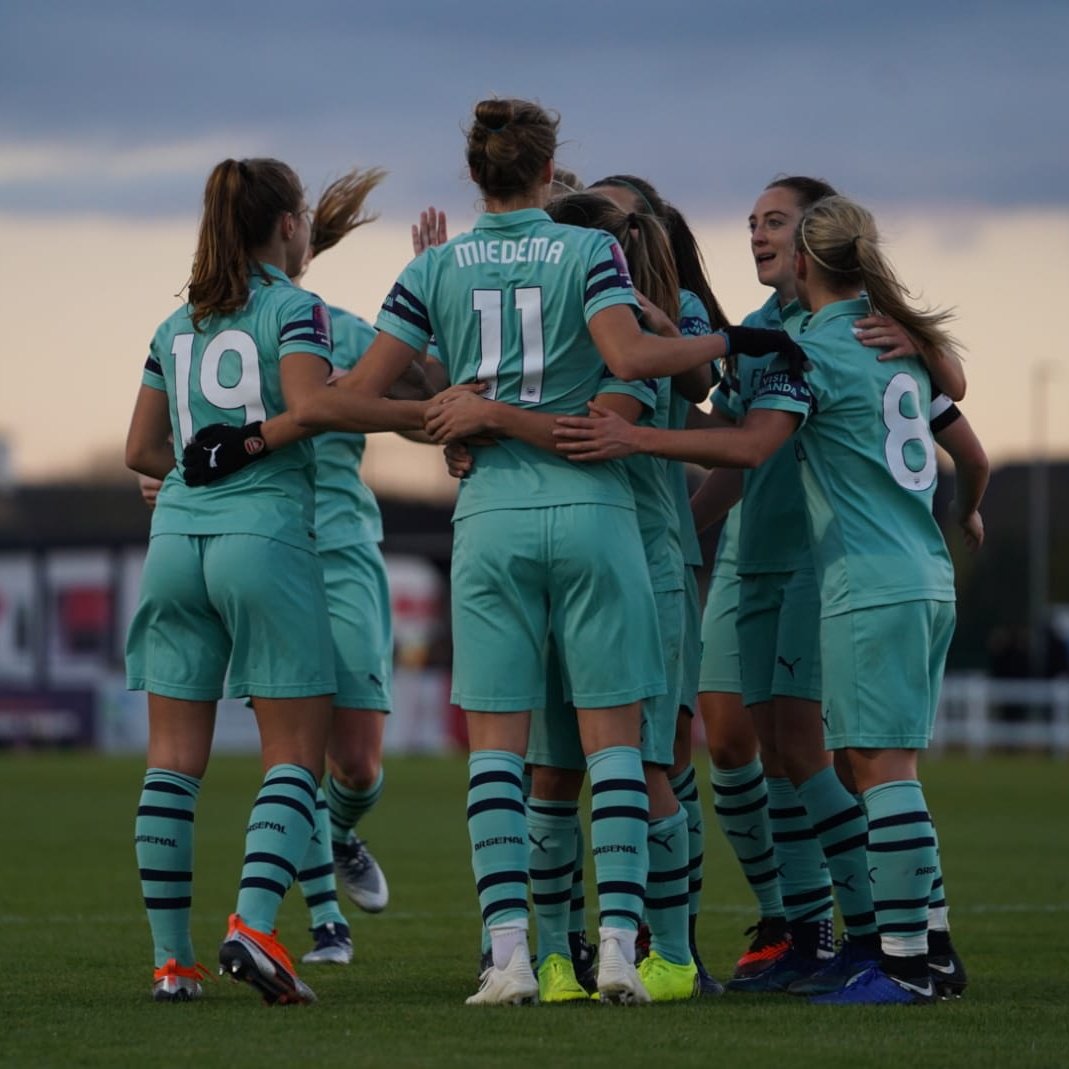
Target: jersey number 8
(909, 438)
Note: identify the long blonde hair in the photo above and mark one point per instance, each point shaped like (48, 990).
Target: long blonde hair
(841, 239)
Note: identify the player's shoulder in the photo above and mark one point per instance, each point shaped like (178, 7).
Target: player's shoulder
(767, 316)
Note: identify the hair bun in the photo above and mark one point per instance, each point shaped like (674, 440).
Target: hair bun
(494, 115)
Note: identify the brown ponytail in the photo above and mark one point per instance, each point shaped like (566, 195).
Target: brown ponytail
(242, 202)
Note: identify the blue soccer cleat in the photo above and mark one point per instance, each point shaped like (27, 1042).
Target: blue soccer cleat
(874, 987)
(852, 958)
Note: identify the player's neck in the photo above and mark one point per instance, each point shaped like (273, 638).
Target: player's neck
(534, 198)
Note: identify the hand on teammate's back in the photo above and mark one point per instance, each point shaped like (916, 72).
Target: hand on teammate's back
(219, 450)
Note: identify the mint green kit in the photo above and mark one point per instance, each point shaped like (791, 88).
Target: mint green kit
(778, 602)
(232, 585)
(720, 671)
(541, 545)
(348, 530)
(869, 472)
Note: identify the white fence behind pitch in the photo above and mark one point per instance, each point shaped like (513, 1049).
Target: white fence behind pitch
(979, 714)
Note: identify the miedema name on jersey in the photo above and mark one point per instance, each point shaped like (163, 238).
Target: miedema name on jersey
(507, 251)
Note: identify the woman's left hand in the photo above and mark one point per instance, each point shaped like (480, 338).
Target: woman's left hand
(601, 436)
(882, 332)
(654, 320)
(456, 413)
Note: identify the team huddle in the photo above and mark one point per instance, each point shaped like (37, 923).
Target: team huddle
(562, 352)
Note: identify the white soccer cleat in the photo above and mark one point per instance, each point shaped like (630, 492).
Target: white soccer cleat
(360, 875)
(514, 985)
(618, 979)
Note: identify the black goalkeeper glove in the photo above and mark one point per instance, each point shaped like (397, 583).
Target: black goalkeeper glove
(219, 450)
(755, 341)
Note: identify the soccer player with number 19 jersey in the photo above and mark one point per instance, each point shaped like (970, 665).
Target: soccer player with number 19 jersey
(232, 587)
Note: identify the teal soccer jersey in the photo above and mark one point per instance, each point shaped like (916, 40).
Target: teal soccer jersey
(347, 513)
(228, 371)
(868, 467)
(772, 526)
(693, 321)
(508, 304)
(655, 504)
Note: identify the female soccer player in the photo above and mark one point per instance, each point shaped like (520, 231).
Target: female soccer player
(535, 311)
(348, 532)
(886, 584)
(232, 587)
(555, 753)
(699, 313)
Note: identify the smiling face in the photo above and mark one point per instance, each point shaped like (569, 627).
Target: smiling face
(773, 223)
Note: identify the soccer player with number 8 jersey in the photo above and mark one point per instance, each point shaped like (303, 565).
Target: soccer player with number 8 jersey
(887, 593)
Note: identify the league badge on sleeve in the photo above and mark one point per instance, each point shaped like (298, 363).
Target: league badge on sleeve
(321, 325)
(620, 261)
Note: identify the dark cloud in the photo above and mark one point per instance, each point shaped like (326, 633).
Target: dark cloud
(939, 103)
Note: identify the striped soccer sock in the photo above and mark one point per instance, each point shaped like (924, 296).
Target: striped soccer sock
(276, 842)
(316, 874)
(902, 861)
(619, 820)
(740, 801)
(842, 829)
(551, 828)
(577, 913)
(803, 872)
(163, 844)
(685, 788)
(497, 827)
(348, 806)
(667, 898)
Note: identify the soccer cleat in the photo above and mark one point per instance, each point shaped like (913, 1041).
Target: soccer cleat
(874, 987)
(262, 961)
(172, 982)
(514, 985)
(557, 981)
(618, 979)
(667, 982)
(948, 974)
(360, 875)
(770, 942)
(707, 984)
(584, 960)
(333, 945)
(783, 972)
(851, 959)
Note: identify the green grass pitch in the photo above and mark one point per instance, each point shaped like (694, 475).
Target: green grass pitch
(76, 956)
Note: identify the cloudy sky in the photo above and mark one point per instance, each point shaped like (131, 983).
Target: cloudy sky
(950, 119)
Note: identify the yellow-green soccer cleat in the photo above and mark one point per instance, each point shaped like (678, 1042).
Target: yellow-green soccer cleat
(667, 982)
(557, 982)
